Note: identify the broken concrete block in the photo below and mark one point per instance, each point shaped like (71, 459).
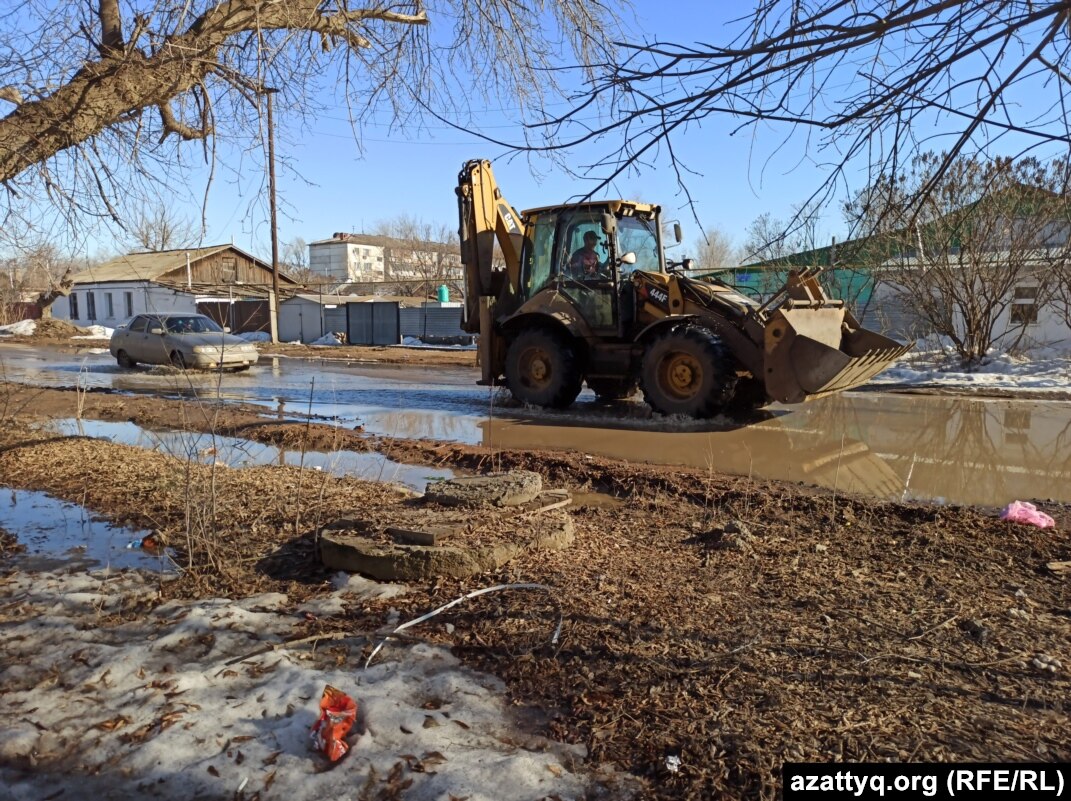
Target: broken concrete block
(514, 488)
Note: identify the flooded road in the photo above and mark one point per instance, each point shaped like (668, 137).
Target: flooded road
(940, 448)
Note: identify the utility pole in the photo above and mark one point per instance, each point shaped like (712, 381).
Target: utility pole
(273, 309)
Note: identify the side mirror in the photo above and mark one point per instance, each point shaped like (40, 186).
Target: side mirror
(226, 329)
(629, 258)
(677, 234)
(609, 223)
(686, 264)
(157, 331)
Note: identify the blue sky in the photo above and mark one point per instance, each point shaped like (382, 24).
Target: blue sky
(330, 183)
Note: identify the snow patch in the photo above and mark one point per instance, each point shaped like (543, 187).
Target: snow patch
(106, 709)
(23, 328)
(255, 336)
(96, 332)
(933, 364)
(333, 338)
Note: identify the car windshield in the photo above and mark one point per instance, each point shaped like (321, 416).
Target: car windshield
(194, 324)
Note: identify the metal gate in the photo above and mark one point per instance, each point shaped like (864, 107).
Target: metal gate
(240, 315)
(334, 319)
(373, 324)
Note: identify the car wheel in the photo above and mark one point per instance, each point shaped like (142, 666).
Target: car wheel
(124, 360)
(178, 360)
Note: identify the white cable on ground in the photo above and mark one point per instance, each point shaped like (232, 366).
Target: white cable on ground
(553, 639)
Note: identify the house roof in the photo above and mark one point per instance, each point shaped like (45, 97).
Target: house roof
(375, 240)
(154, 264)
(333, 298)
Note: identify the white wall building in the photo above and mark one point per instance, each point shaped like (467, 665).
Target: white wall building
(357, 258)
(220, 280)
(342, 259)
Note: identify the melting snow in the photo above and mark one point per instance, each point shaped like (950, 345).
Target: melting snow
(23, 328)
(1046, 369)
(150, 708)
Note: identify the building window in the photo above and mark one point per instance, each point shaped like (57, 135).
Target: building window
(1024, 314)
(1024, 310)
(230, 269)
(91, 306)
(109, 305)
(128, 300)
(74, 306)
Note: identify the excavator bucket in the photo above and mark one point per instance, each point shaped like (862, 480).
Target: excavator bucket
(810, 352)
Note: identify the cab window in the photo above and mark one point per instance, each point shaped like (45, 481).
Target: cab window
(639, 236)
(537, 262)
(138, 324)
(572, 247)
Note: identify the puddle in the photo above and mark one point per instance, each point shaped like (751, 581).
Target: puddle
(236, 452)
(595, 500)
(941, 449)
(924, 447)
(60, 535)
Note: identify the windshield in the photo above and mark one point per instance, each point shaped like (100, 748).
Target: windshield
(194, 324)
(636, 235)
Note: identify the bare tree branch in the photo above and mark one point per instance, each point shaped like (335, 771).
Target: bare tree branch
(858, 78)
(126, 84)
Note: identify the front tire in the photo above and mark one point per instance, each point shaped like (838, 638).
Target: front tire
(178, 361)
(688, 371)
(124, 360)
(542, 368)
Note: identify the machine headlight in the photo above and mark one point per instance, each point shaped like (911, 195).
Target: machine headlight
(205, 349)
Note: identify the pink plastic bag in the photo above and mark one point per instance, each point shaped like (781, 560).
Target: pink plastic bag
(1023, 512)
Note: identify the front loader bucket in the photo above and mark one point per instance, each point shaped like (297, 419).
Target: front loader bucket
(810, 352)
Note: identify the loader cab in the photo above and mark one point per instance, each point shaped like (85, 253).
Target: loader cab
(559, 253)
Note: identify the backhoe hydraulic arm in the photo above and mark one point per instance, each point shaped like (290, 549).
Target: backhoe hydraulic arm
(485, 217)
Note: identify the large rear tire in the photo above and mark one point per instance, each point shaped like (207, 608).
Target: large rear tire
(688, 371)
(542, 368)
(613, 389)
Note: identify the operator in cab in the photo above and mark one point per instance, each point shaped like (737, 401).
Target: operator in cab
(585, 261)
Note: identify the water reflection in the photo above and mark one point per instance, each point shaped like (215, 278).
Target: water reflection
(890, 446)
(235, 452)
(941, 448)
(57, 534)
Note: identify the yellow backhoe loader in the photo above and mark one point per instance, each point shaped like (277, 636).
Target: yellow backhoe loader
(584, 293)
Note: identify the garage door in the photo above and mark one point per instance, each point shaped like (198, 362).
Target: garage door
(373, 324)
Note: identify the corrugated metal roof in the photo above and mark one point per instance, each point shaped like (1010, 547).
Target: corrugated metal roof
(151, 265)
(381, 241)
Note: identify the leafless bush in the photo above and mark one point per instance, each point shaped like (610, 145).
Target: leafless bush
(980, 255)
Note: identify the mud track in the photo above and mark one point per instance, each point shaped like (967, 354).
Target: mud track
(735, 623)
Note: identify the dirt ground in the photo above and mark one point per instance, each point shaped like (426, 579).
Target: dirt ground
(732, 623)
(380, 355)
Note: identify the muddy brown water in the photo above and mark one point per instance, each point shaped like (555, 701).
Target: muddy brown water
(894, 446)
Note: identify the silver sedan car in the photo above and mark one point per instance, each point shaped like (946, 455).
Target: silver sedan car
(181, 340)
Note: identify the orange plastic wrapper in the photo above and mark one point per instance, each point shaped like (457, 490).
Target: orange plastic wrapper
(338, 712)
